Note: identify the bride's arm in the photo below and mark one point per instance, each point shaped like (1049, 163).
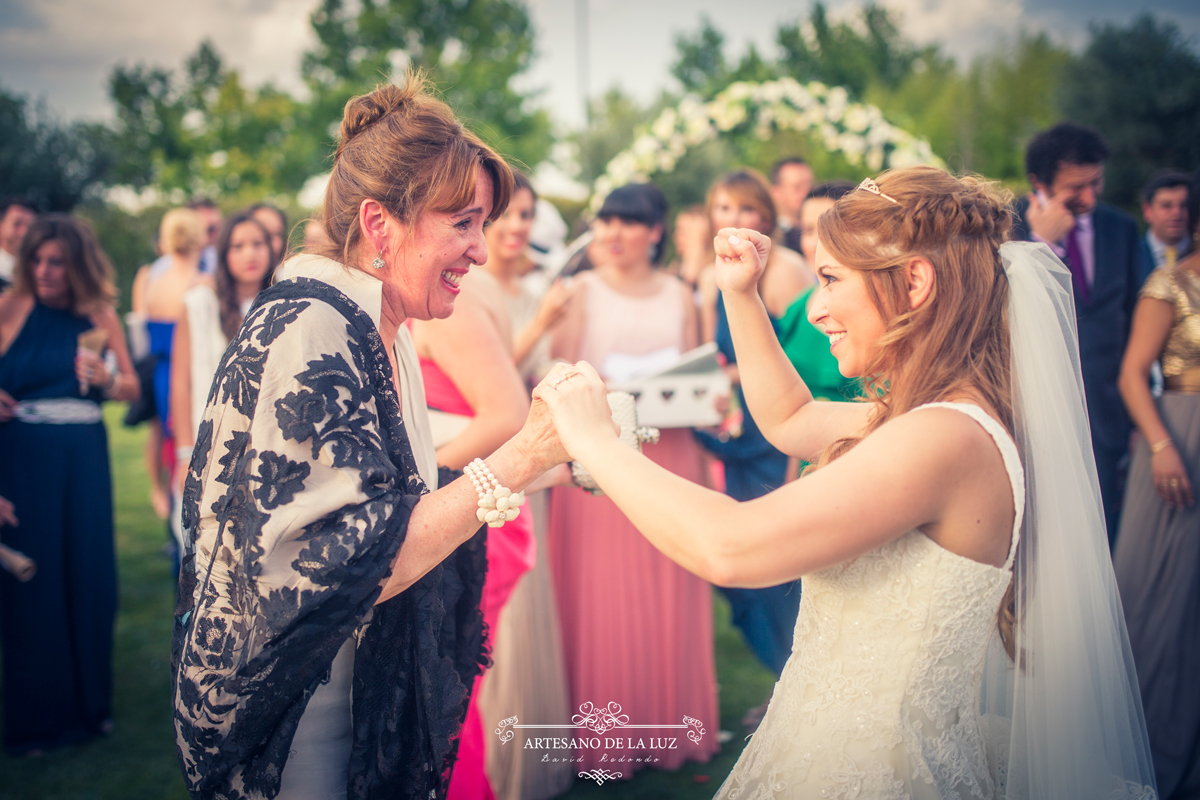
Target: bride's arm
(898, 479)
(779, 401)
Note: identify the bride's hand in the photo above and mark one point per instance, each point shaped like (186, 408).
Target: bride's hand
(578, 401)
(741, 258)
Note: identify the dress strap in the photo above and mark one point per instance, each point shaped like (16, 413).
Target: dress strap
(1012, 463)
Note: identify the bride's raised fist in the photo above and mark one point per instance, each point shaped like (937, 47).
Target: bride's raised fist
(741, 258)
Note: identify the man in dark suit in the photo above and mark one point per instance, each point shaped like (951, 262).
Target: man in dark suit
(1164, 207)
(791, 179)
(1099, 244)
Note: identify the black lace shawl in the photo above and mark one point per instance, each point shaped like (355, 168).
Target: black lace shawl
(297, 499)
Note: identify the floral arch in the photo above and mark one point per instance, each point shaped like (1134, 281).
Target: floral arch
(856, 130)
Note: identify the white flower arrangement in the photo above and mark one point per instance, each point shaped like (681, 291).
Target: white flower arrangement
(856, 130)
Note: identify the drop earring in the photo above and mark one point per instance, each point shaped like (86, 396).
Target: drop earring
(378, 262)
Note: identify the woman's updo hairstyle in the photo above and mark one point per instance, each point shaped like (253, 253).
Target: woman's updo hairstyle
(406, 149)
(959, 336)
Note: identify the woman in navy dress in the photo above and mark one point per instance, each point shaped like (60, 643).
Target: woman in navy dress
(57, 629)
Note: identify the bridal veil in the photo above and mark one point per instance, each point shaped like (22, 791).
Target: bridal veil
(1064, 720)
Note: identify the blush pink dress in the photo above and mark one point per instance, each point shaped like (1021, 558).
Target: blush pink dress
(637, 628)
(511, 550)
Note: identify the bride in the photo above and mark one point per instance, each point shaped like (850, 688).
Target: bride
(959, 633)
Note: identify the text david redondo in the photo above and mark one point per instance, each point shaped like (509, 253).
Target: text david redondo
(609, 743)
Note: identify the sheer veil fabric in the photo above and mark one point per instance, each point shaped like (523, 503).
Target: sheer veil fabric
(1064, 721)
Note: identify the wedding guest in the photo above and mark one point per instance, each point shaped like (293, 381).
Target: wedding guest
(158, 291)
(210, 222)
(328, 631)
(791, 179)
(16, 214)
(1164, 208)
(637, 629)
(275, 221)
(753, 467)
(1099, 244)
(1158, 547)
(213, 312)
(57, 629)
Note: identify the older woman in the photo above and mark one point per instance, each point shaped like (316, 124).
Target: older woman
(329, 628)
(57, 630)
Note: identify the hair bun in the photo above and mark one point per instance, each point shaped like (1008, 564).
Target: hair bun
(365, 110)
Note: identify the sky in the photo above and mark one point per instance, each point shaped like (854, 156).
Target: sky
(64, 50)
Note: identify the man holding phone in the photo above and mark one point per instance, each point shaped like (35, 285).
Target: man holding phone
(1099, 244)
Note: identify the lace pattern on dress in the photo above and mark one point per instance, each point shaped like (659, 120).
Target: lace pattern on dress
(881, 696)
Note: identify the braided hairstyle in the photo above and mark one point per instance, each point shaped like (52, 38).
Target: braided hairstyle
(958, 339)
(404, 148)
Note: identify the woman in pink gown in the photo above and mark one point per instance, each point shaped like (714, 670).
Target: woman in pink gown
(637, 629)
(476, 398)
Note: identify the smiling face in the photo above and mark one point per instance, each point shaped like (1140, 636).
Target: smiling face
(508, 236)
(1079, 186)
(843, 309)
(249, 254)
(729, 211)
(427, 260)
(50, 282)
(623, 243)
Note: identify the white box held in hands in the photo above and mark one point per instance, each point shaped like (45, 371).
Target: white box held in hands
(672, 390)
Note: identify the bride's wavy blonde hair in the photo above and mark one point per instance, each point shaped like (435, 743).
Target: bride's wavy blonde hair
(957, 339)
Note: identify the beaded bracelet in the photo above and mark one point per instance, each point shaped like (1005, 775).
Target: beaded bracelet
(497, 504)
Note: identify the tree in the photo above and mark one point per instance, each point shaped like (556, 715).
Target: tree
(1139, 86)
(838, 54)
(207, 133)
(52, 164)
(472, 50)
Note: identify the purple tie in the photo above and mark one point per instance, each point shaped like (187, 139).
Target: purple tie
(1075, 264)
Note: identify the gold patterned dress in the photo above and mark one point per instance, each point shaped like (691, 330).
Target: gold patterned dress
(1157, 558)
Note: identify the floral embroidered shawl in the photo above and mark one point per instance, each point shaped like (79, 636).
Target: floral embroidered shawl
(296, 501)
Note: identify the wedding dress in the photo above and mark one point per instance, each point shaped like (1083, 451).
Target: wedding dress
(898, 686)
(880, 698)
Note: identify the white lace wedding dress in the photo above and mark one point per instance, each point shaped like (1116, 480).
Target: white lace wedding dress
(881, 696)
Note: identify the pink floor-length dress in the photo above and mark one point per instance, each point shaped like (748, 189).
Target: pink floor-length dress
(637, 628)
(511, 550)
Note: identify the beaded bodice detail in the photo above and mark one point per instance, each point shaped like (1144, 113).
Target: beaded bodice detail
(881, 695)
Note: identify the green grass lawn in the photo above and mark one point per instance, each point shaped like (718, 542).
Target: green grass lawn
(138, 759)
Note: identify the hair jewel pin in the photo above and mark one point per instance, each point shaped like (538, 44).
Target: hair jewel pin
(872, 187)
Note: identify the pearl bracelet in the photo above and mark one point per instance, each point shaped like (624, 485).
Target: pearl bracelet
(497, 504)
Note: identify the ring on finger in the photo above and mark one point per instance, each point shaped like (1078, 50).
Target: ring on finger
(563, 379)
